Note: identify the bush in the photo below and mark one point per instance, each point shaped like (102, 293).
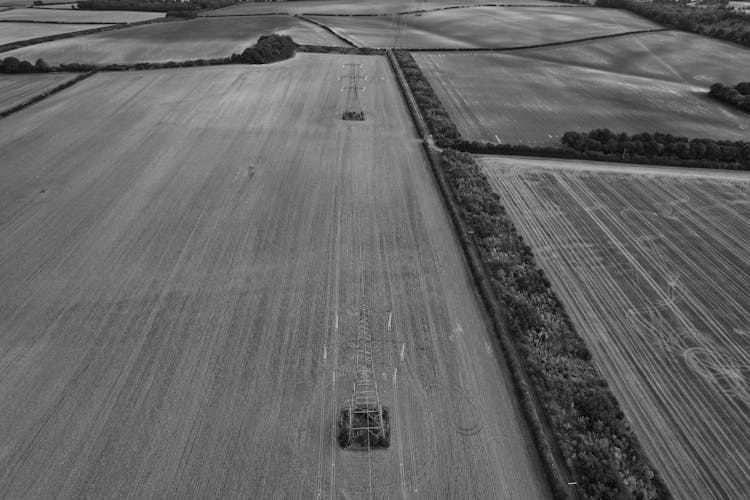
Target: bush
(738, 96)
(268, 49)
(13, 65)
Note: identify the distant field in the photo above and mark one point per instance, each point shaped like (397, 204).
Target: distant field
(652, 266)
(184, 253)
(344, 7)
(639, 83)
(16, 32)
(16, 89)
(488, 27)
(175, 41)
(73, 16)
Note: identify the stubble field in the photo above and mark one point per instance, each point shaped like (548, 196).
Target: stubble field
(651, 266)
(183, 254)
(487, 27)
(175, 41)
(78, 16)
(16, 32)
(15, 89)
(639, 83)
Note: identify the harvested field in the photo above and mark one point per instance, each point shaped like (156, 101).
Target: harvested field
(16, 32)
(488, 27)
(16, 89)
(175, 41)
(651, 264)
(78, 16)
(639, 83)
(353, 7)
(183, 256)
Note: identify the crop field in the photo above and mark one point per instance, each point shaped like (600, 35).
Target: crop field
(16, 89)
(182, 256)
(78, 16)
(652, 266)
(487, 27)
(354, 7)
(175, 41)
(533, 96)
(15, 32)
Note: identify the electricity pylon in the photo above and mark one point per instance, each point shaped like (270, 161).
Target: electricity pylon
(364, 423)
(353, 108)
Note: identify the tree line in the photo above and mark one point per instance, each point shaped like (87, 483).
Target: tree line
(738, 95)
(714, 21)
(659, 147)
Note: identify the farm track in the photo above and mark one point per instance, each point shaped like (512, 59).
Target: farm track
(182, 261)
(651, 268)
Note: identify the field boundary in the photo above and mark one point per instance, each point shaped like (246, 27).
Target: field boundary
(452, 7)
(334, 32)
(46, 94)
(29, 21)
(550, 455)
(110, 26)
(542, 45)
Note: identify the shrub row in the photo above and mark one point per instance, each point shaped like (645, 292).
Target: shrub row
(442, 128)
(154, 5)
(717, 22)
(331, 49)
(587, 422)
(739, 95)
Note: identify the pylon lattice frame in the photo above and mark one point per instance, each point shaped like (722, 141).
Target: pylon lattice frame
(353, 107)
(364, 423)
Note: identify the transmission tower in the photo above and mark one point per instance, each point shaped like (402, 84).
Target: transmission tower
(353, 108)
(420, 7)
(398, 30)
(364, 423)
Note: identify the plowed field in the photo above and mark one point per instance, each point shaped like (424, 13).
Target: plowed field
(15, 89)
(182, 257)
(652, 267)
(78, 16)
(639, 83)
(16, 32)
(175, 41)
(487, 27)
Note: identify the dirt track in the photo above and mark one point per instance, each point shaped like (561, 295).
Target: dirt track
(651, 265)
(182, 257)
